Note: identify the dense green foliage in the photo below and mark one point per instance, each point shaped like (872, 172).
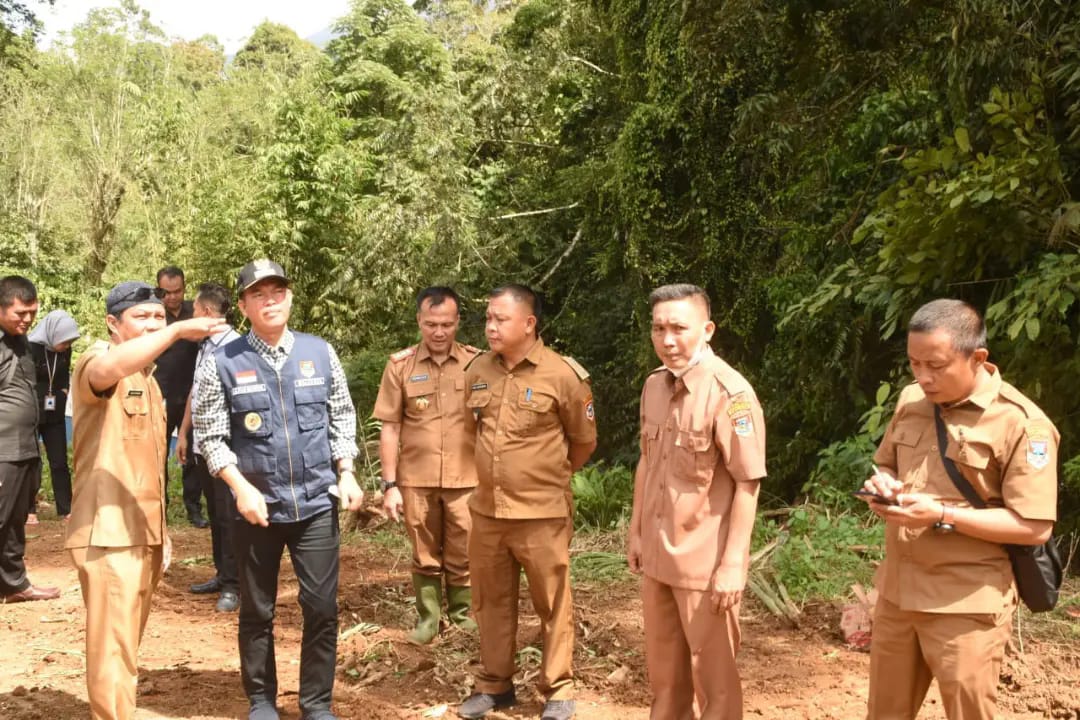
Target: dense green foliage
(821, 166)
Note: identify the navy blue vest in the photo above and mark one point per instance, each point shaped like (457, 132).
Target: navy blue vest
(279, 424)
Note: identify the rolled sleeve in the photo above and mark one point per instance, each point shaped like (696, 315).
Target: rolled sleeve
(342, 412)
(210, 418)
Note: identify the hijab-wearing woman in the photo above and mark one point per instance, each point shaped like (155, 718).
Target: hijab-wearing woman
(50, 344)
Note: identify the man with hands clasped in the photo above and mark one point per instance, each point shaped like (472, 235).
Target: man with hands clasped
(946, 585)
(274, 420)
(695, 498)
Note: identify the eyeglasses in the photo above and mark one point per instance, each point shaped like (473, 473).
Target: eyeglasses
(142, 294)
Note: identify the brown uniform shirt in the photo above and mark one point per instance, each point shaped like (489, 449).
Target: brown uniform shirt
(1007, 449)
(118, 461)
(700, 434)
(525, 419)
(428, 400)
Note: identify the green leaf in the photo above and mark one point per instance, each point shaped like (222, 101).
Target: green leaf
(883, 393)
(962, 140)
(1032, 327)
(1015, 327)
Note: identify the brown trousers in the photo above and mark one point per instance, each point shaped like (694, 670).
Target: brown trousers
(117, 584)
(690, 654)
(438, 523)
(498, 551)
(909, 649)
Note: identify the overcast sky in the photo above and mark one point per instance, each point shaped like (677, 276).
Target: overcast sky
(232, 21)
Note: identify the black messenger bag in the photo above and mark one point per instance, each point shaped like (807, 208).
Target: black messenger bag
(1036, 568)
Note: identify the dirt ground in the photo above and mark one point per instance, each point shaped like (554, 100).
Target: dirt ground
(189, 666)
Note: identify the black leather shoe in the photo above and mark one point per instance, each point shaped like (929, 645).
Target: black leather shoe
(210, 586)
(558, 710)
(481, 704)
(199, 522)
(227, 602)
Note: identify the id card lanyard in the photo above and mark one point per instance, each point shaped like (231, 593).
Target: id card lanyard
(50, 398)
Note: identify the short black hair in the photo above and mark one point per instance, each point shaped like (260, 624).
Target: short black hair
(961, 320)
(680, 291)
(521, 294)
(216, 296)
(16, 287)
(437, 294)
(170, 271)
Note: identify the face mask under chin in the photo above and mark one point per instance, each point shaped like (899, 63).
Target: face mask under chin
(700, 354)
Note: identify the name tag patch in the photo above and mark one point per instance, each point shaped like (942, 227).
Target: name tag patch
(244, 377)
(248, 389)
(418, 378)
(134, 393)
(479, 386)
(309, 382)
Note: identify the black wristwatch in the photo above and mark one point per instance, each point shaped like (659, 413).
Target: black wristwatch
(388, 485)
(947, 523)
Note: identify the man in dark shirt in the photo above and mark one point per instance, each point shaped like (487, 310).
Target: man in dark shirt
(19, 460)
(174, 373)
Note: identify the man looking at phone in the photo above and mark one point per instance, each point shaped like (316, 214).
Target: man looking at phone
(946, 585)
(695, 498)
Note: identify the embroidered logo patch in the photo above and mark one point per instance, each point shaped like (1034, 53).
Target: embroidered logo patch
(422, 402)
(245, 376)
(744, 426)
(590, 411)
(1038, 453)
(307, 368)
(252, 421)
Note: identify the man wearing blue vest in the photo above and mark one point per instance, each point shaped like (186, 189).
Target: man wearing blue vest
(274, 420)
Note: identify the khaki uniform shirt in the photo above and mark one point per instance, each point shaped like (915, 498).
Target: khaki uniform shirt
(700, 434)
(525, 419)
(118, 460)
(428, 400)
(1007, 449)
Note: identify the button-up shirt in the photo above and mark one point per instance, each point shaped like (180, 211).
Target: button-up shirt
(525, 419)
(210, 415)
(18, 400)
(1005, 446)
(206, 349)
(428, 399)
(700, 434)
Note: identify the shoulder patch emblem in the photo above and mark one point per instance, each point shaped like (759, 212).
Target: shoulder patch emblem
(580, 371)
(590, 410)
(307, 368)
(743, 426)
(738, 405)
(1038, 453)
(402, 354)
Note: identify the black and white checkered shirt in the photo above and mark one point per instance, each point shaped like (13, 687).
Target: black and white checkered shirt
(210, 412)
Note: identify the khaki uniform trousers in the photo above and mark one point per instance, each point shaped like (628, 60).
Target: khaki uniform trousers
(690, 654)
(909, 649)
(438, 523)
(117, 584)
(498, 551)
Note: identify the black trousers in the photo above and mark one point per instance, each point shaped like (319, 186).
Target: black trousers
(54, 435)
(313, 546)
(174, 415)
(16, 481)
(221, 509)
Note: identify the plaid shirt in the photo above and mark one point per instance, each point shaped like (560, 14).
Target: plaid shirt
(210, 412)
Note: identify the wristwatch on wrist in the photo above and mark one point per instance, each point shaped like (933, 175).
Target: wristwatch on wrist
(386, 485)
(947, 523)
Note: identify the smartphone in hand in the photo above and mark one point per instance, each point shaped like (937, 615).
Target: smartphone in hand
(875, 497)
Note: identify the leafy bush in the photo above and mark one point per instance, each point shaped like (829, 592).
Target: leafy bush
(602, 496)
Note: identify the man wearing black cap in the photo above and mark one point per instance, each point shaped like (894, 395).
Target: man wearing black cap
(174, 372)
(274, 420)
(116, 532)
(19, 455)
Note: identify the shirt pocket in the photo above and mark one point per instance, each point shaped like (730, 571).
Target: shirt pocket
(251, 415)
(136, 416)
(477, 403)
(695, 456)
(536, 409)
(311, 410)
(906, 439)
(976, 463)
(420, 399)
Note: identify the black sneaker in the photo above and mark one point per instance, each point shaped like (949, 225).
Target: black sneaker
(558, 710)
(481, 704)
(228, 601)
(210, 586)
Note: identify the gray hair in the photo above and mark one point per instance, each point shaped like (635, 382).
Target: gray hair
(679, 291)
(961, 320)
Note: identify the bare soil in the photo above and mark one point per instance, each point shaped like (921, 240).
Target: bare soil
(189, 666)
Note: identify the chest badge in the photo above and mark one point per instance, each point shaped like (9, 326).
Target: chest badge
(422, 402)
(307, 368)
(252, 421)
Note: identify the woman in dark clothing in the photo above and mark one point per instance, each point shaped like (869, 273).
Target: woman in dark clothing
(50, 344)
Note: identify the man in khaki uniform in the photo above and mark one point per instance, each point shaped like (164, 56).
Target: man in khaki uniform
(427, 459)
(532, 412)
(695, 497)
(946, 585)
(116, 532)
